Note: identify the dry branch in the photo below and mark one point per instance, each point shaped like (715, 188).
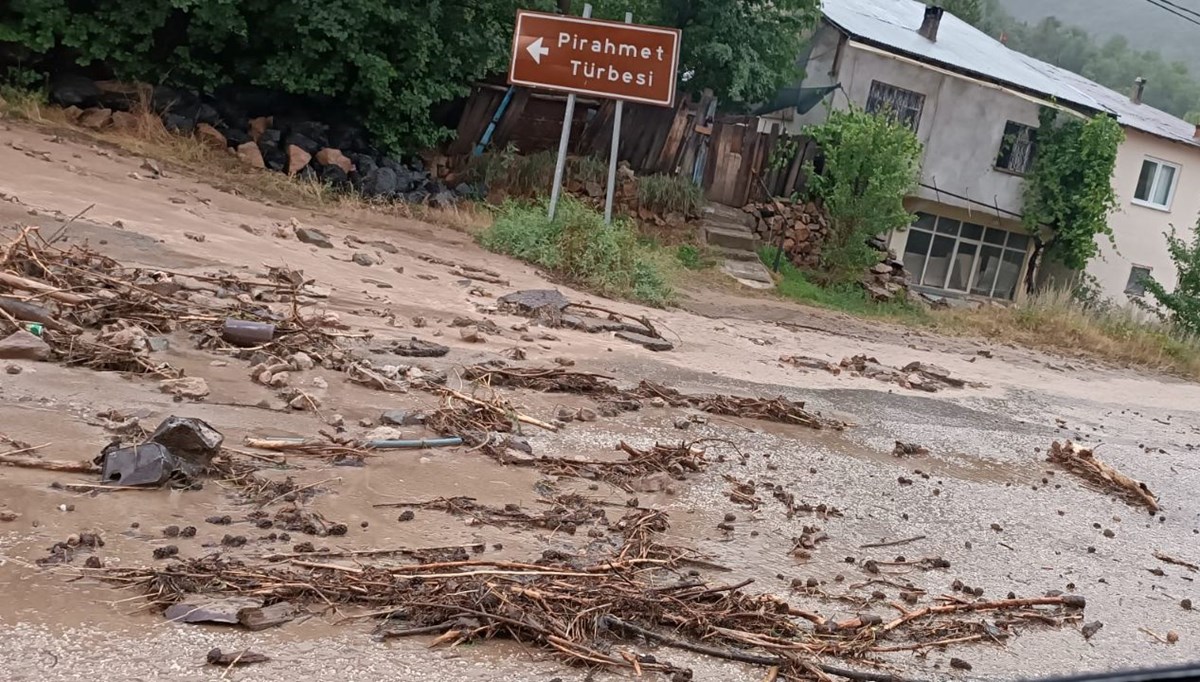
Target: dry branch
(1083, 462)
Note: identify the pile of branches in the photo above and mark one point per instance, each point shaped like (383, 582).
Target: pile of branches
(675, 460)
(566, 513)
(99, 313)
(543, 379)
(778, 409)
(1083, 462)
(599, 614)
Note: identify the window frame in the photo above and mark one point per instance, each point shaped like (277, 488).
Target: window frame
(1159, 164)
(1131, 285)
(1001, 152)
(979, 243)
(915, 124)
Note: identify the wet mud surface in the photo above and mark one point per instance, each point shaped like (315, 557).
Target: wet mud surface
(983, 498)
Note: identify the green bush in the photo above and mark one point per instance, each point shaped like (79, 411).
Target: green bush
(871, 162)
(670, 194)
(694, 257)
(849, 297)
(578, 245)
(1180, 307)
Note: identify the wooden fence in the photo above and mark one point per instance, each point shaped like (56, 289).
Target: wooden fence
(726, 155)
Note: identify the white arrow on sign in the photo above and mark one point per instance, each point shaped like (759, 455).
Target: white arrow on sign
(537, 51)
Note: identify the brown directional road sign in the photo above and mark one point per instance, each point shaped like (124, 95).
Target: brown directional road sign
(632, 62)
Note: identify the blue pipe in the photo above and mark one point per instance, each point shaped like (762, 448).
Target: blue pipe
(487, 134)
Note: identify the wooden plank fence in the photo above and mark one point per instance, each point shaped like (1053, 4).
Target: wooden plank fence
(726, 155)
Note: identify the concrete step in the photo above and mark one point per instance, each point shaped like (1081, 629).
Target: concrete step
(750, 273)
(720, 213)
(740, 240)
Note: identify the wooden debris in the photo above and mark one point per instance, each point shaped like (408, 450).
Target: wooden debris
(1083, 462)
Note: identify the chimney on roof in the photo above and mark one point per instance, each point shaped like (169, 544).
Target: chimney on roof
(933, 19)
(1139, 86)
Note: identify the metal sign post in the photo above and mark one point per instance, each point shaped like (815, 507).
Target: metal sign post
(612, 151)
(581, 55)
(564, 140)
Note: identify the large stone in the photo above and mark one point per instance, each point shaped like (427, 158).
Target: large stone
(211, 136)
(297, 159)
(21, 345)
(380, 182)
(72, 90)
(314, 237)
(250, 155)
(96, 119)
(334, 157)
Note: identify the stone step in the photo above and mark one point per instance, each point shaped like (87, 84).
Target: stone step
(719, 213)
(750, 273)
(740, 240)
(733, 254)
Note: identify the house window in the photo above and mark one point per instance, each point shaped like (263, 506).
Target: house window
(904, 105)
(955, 256)
(1136, 286)
(1156, 184)
(1017, 148)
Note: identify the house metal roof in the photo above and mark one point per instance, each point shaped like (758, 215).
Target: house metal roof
(1137, 116)
(893, 24)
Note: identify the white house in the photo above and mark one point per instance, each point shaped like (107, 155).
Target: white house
(974, 104)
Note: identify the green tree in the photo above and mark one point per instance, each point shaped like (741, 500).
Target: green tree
(871, 162)
(1181, 307)
(390, 61)
(1069, 190)
(744, 50)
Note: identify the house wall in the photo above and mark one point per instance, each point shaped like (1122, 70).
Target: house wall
(1138, 230)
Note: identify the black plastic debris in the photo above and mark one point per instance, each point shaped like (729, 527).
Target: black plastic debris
(145, 464)
(189, 439)
(177, 452)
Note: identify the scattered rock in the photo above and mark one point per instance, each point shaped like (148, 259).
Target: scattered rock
(13, 369)
(194, 237)
(959, 664)
(308, 235)
(234, 658)
(406, 515)
(251, 155)
(471, 335)
(1186, 604)
(905, 449)
(1091, 629)
(302, 361)
(185, 387)
(297, 159)
(124, 121)
(401, 418)
(334, 157)
(21, 345)
(96, 119)
(363, 259)
(1172, 637)
(211, 136)
(648, 342)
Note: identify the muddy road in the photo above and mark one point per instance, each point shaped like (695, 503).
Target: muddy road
(983, 499)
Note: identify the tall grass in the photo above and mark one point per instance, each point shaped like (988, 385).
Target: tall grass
(670, 194)
(579, 246)
(1053, 319)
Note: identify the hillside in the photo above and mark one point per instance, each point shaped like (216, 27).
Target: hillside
(1145, 26)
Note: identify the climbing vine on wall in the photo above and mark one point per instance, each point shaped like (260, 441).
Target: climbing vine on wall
(1069, 190)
